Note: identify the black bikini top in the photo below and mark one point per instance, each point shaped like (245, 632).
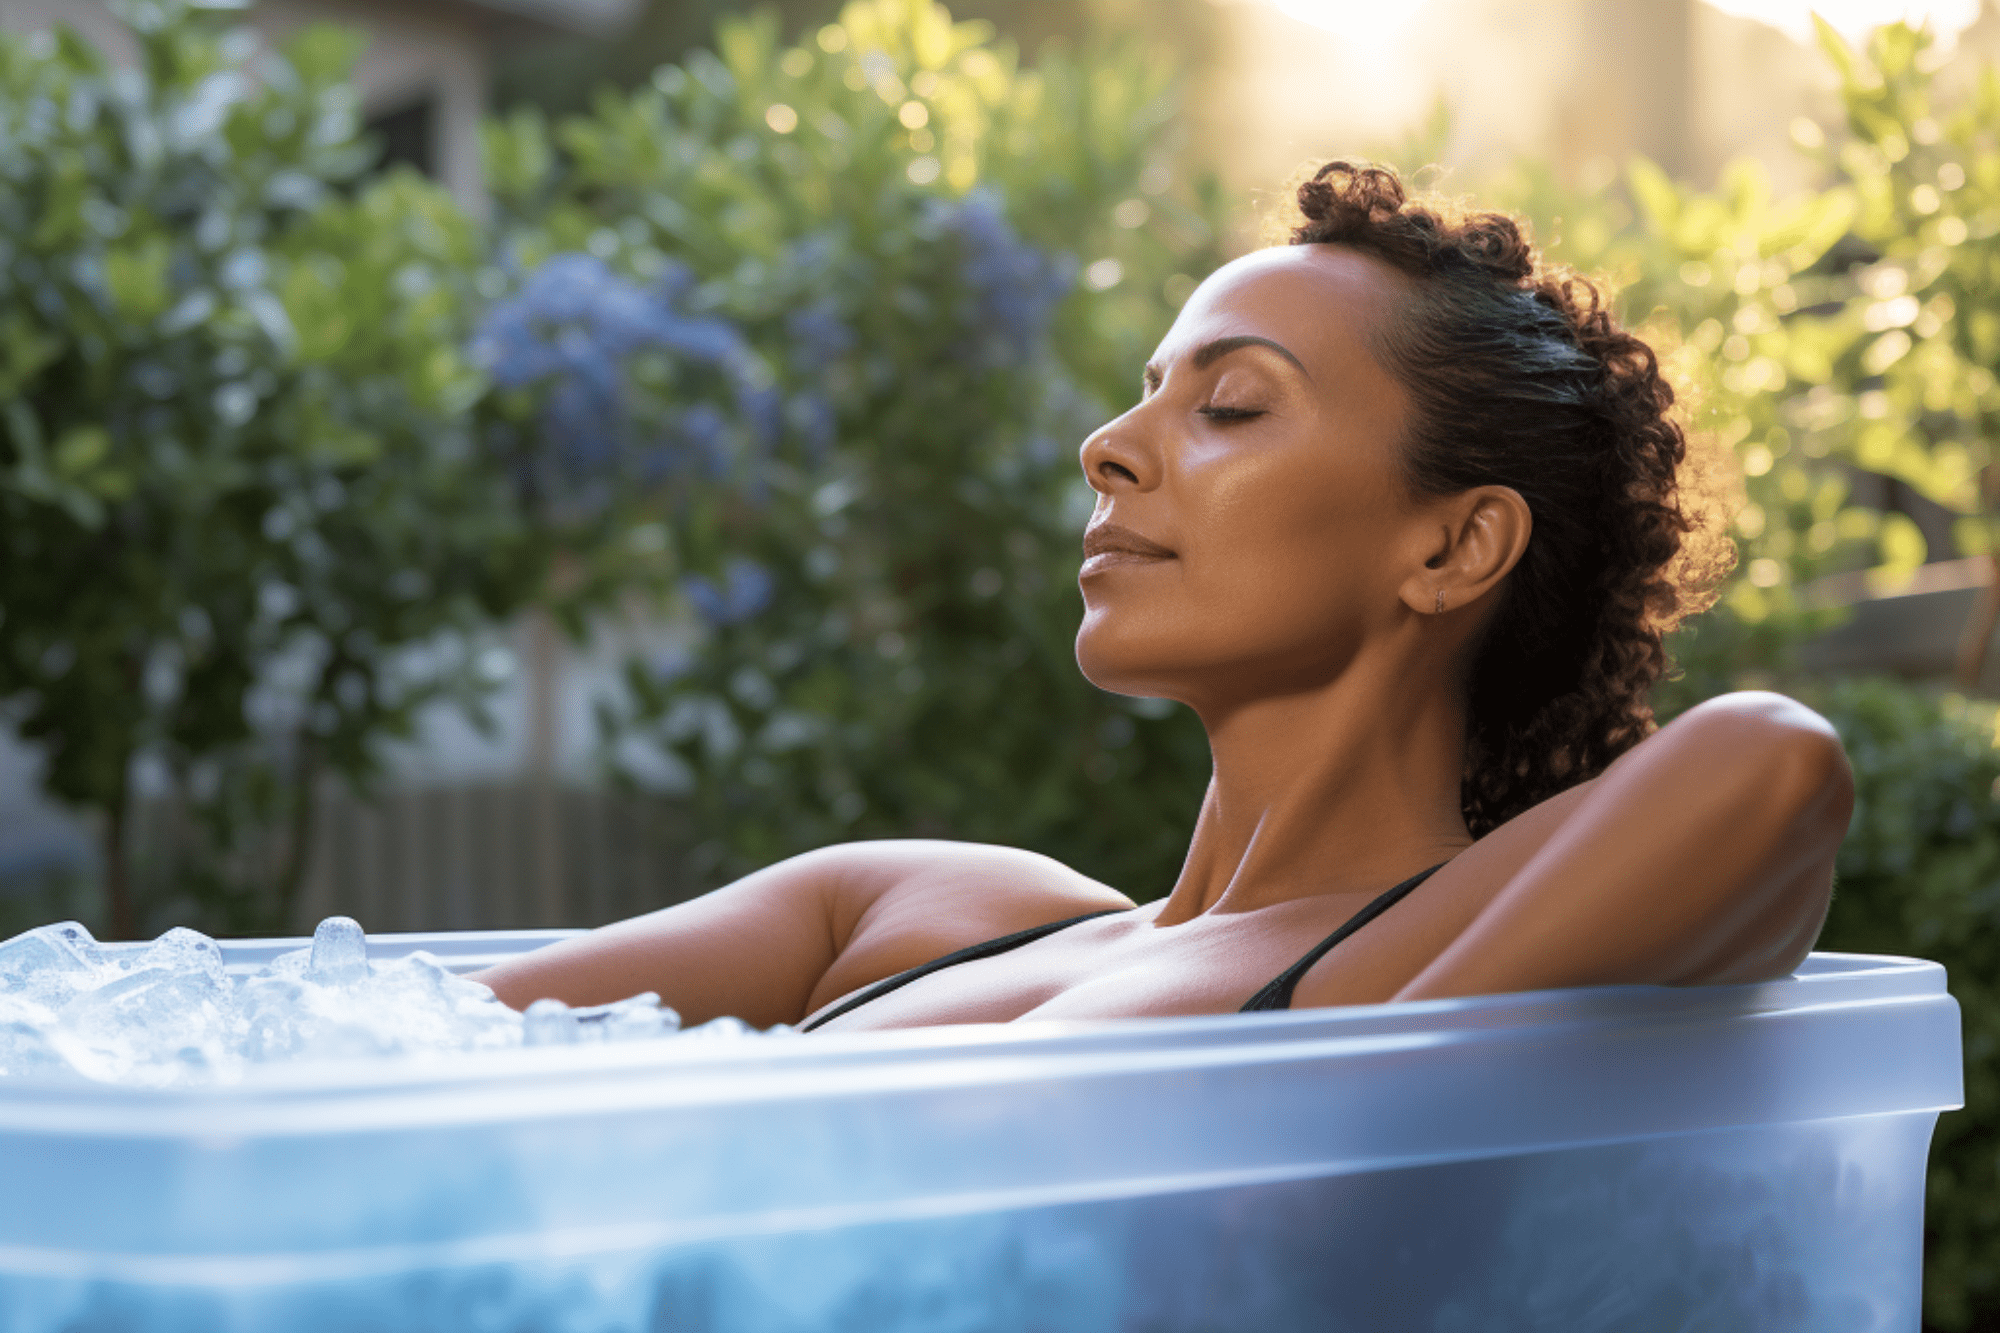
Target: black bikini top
(1276, 995)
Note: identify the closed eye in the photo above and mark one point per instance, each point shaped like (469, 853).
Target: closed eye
(1216, 412)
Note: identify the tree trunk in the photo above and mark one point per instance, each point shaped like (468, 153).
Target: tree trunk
(299, 838)
(117, 886)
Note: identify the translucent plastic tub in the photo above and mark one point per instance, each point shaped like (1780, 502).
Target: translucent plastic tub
(1628, 1159)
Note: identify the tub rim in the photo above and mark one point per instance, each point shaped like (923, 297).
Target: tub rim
(1826, 982)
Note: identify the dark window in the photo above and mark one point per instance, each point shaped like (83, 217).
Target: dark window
(407, 135)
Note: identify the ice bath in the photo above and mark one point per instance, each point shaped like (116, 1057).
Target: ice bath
(1605, 1159)
(169, 1013)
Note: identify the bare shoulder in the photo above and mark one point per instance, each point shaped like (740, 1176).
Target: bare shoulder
(1702, 855)
(900, 903)
(1759, 716)
(1772, 735)
(1752, 740)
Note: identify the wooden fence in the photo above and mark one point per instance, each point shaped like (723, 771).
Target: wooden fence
(469, 857)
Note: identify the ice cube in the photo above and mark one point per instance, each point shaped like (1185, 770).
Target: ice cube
(291, 963)
(439, 1009)
(27, 1052)
(635, 1019)
(339, 952)
(550, 1023)
(183, 950)
(51, 964)
(724, 1028)
(65, 946)
(267, 1007)
(156, 1026)
(168, 1012)
(404, 1004)
(287, 1017)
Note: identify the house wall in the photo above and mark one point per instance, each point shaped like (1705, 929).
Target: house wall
(415, 51)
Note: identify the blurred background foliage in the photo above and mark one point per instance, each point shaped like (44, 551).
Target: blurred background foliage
(788, 344)
(1849, 333)
(944, 268)
(240, 494)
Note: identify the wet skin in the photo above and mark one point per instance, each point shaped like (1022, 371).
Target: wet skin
(1255, 555)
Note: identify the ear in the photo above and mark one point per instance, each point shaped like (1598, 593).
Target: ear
(1479, 535)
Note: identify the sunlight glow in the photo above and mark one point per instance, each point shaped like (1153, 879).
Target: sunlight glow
(1380, 25)
(1368, 25)
(1854, 17)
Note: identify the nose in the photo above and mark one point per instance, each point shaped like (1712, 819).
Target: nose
(1116, 458)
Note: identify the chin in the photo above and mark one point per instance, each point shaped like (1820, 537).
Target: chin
(1113, 662)
(1096, 658)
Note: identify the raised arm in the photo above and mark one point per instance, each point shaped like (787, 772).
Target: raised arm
(1703, 855)
(778, 944)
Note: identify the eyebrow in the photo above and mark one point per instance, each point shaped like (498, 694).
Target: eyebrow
(1210, 352)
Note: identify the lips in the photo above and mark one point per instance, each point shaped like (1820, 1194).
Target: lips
(1107, 544)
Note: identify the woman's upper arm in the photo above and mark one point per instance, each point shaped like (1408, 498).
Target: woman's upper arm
(1704, 854)
(752, 948)
(768, 947)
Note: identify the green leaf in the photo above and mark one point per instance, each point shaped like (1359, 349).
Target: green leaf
(1804, 234)
(137, 277)
(25, 351)
(324, 53)
(80, 449)
(1838, 53)
(1656, 194)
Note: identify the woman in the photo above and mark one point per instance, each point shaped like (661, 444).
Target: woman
(1400, 517)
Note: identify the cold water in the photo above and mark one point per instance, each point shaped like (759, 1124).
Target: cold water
(170, 1014)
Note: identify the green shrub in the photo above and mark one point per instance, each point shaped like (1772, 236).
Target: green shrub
(948, 270)
(238, 476)
(1919, 875)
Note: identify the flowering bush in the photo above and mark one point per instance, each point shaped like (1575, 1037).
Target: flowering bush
(897, 221)
(802, 337)
(633, 389)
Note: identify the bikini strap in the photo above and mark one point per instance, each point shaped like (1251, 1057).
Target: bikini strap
(1278, 994)
(977, 951)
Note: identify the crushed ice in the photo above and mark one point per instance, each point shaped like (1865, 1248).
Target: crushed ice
(170, 1014)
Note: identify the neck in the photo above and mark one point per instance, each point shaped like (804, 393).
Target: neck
(1345, 787)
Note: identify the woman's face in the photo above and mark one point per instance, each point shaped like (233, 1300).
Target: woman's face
(1252, 527)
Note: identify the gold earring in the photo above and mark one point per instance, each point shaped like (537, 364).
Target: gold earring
(1440, 605)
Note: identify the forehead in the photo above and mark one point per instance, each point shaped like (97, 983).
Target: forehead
(1319, 301)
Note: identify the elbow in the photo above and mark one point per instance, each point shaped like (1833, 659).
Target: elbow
(1789, 788)
(1812, 783)
(1785, 757)
(1832, 801)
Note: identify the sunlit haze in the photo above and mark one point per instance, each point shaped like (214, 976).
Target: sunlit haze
(1367, 24)
(1377, 24)
(1854, 17)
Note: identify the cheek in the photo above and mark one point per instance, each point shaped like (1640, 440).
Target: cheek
(1281, 565)
(1281, 554)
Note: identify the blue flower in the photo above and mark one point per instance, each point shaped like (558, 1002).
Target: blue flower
(1013, 286)
(572, 326)
(747, 588)
(704, 434)
(813, 417)
(763, 408)
(819, 336)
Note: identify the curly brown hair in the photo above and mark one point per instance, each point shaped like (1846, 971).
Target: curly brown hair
(1519, 375)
